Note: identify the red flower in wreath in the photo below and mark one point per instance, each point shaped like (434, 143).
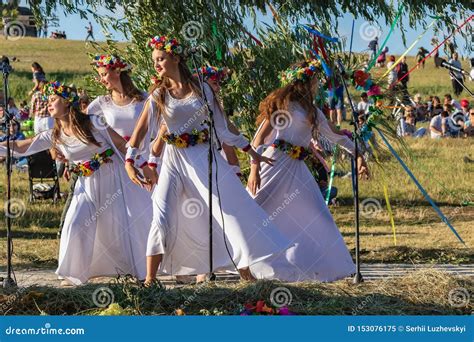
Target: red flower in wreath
(185, 137)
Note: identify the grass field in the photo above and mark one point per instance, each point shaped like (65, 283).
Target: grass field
(421, 235)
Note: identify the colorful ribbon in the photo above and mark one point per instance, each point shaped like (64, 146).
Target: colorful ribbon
(319, 34)
(411, 47)
(372, 63)
(434, 50)
(422, 190)
(385, 192)
(331, 177)
(216, 36)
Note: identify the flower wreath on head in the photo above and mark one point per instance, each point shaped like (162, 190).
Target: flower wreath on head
(56, 88)
(168, 45)
(213, 73)
(111, 62)
(296, 73)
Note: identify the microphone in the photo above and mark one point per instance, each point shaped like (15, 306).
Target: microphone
(442, 63)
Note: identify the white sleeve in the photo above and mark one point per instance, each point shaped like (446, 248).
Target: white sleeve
(220, 122)
(94, 107)
(342, 140)
(41, 142)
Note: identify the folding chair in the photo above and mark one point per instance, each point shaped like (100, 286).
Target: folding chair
(43, 168)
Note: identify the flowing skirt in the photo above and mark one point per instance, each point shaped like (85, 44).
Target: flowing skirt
(293, 201)
(106, 227)
(180, 227)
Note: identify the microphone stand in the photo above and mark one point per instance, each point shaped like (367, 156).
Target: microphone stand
(8, 282)
(461, 83)
(212, 131)
(355, 177)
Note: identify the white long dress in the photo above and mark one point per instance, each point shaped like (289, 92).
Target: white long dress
(106, 227)
(180, 228)
(293, 201)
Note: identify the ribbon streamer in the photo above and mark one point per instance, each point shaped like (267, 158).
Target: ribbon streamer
(434, 50)
(409, 49)
(331, 177)
(422, 190)
(372, 63)
(319, 34)
(385, 192)
(216, 35)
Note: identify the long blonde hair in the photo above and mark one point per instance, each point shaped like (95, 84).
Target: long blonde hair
(81, 126)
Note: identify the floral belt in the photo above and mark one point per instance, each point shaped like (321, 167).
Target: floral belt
(87, 168)
(187, 139)
(294, 151)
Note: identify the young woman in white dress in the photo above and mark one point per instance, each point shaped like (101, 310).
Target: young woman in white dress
(288, 192)
(106, 227)
(178, 243)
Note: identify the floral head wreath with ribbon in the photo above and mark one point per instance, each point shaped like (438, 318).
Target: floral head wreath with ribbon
(298, 73)
(56, 88)
(110, 62)
(170, 45)
(213, 73)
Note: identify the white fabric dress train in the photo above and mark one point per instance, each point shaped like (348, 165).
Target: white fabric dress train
(293, 201)
(107, 224)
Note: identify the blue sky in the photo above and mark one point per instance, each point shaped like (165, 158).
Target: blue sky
(363, 32)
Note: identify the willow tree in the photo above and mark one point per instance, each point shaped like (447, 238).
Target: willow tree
(218, 26)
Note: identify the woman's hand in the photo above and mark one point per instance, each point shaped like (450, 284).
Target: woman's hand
(253, 183)
(135, 176)
(259, 158)
(150, 174)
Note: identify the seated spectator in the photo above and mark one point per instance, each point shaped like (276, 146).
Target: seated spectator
(15, 134)
(438, 125)
(420, 108)
(410, 127)
(13, 109)
(468, 124)
(465, 105)
(449, 100)
(24, 110)
(364, 104)
(448, 108)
